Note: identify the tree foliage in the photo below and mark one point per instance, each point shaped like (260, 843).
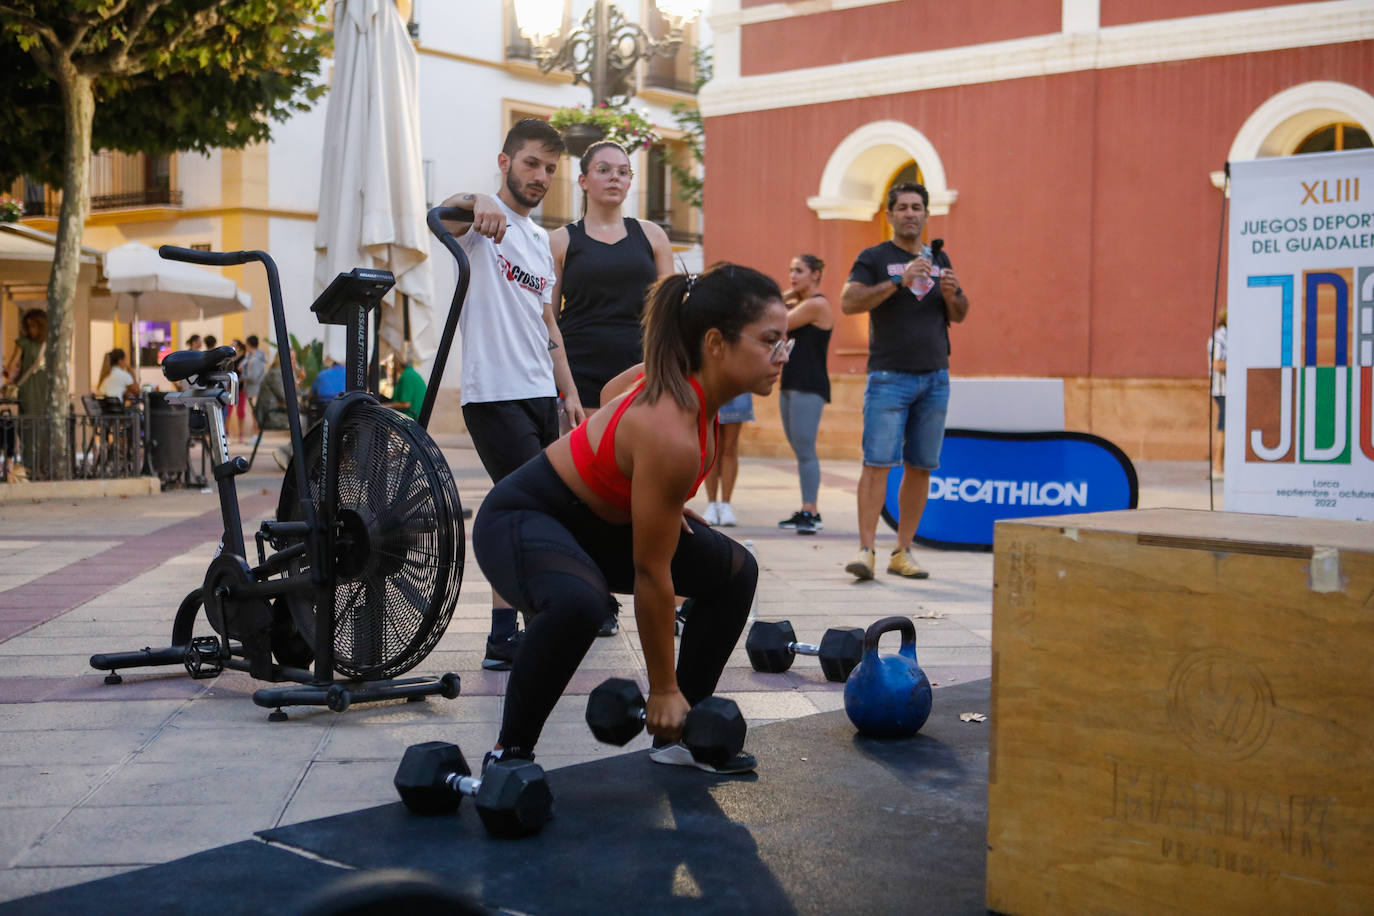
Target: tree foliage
(152, 76)
(218, 84)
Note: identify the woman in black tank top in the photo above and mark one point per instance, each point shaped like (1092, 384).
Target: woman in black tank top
(805, 388)
(603, 265)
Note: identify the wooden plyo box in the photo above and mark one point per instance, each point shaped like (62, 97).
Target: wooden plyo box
(1182, 715)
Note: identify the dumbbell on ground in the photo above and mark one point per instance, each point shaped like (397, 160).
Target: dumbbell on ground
(512, 797)
(772, 647)
(714, 731)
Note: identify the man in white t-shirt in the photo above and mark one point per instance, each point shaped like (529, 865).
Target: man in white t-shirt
(514, 364)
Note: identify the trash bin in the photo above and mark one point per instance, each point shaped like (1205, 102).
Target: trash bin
(169, 437)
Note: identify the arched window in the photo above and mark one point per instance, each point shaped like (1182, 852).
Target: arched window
(1306, 118)
(850, 185)
(1333, 137)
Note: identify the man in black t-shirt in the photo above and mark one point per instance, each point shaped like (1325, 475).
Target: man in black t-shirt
(911, 295)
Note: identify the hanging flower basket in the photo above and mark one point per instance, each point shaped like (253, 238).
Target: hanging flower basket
(581, 127)
(577, 137)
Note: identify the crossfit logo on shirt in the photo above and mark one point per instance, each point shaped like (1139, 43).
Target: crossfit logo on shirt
(517, 274)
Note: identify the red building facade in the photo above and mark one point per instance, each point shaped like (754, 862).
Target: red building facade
(1074, 151)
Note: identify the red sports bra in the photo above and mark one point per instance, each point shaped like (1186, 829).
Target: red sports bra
(598, 469)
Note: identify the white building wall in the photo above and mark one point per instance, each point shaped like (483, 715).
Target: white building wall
(465, 90)
(199, 177)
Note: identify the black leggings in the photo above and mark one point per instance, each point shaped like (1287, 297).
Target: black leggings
(548, 554)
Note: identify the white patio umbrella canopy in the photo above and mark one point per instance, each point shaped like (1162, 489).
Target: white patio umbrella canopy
(163, 290)
(146, 287)
(372, 190)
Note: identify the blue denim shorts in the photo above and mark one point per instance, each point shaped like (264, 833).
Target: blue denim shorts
(737, 410)
(904, 418)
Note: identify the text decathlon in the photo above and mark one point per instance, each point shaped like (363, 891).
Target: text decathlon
(1010, 492)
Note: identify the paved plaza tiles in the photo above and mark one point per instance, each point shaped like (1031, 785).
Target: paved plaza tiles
(98, 779)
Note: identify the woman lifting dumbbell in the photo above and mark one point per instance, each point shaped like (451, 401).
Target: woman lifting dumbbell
(602, 510)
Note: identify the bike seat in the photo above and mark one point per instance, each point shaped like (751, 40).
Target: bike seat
(184, 364)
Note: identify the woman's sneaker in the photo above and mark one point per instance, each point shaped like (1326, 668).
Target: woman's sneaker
(712, 514)
(727, 515)
(803, 519)
(677, 754)
(501, 651)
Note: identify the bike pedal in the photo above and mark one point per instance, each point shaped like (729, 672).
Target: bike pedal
(202, 657)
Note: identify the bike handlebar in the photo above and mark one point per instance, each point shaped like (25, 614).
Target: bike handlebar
(209, 258)
(288, 379)
(435, 220)
(439, 214)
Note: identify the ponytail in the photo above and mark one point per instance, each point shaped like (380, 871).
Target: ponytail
(681, 309)
(667, 360)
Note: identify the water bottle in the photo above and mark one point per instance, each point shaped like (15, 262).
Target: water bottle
(754, 608)
(923, 285)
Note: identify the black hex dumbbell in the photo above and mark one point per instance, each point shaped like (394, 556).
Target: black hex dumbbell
(772, 647)
(714, 730)
(512, 797)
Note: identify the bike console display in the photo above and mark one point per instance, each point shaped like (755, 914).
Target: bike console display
(361, 288)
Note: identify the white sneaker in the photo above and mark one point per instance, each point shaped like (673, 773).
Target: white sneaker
(712, 514)
(727, 516)
(677, 754)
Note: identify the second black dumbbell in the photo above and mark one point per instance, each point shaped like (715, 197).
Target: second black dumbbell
(714, 731)
(772, 647)
(512, 797)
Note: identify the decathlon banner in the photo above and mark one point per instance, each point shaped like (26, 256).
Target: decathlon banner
(986, 476)
(1300, 336)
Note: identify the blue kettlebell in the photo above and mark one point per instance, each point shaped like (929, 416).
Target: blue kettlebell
(888, 696)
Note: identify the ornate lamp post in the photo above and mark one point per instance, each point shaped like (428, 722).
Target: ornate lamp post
(601, 53)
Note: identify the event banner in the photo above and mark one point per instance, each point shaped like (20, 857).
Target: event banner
(1300, 336)
(987, 476)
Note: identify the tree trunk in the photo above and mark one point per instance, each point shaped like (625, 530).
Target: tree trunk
(78, 102)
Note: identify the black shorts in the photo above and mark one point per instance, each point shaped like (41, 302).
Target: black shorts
(509, 433)
(1221, 411)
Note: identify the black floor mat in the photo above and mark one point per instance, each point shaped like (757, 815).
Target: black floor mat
(832, 823)
(247, 877)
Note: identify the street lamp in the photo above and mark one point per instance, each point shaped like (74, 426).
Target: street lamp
(602, 52)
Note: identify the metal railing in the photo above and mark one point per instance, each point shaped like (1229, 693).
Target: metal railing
(139, 198)
(98, 447)
(118, 181)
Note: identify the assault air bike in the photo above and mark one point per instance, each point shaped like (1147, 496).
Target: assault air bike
(357, 577)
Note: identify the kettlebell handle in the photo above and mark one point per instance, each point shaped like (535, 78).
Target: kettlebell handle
(903, 624)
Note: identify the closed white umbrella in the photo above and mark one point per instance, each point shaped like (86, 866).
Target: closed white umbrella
(372, 190)
(145, 286)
